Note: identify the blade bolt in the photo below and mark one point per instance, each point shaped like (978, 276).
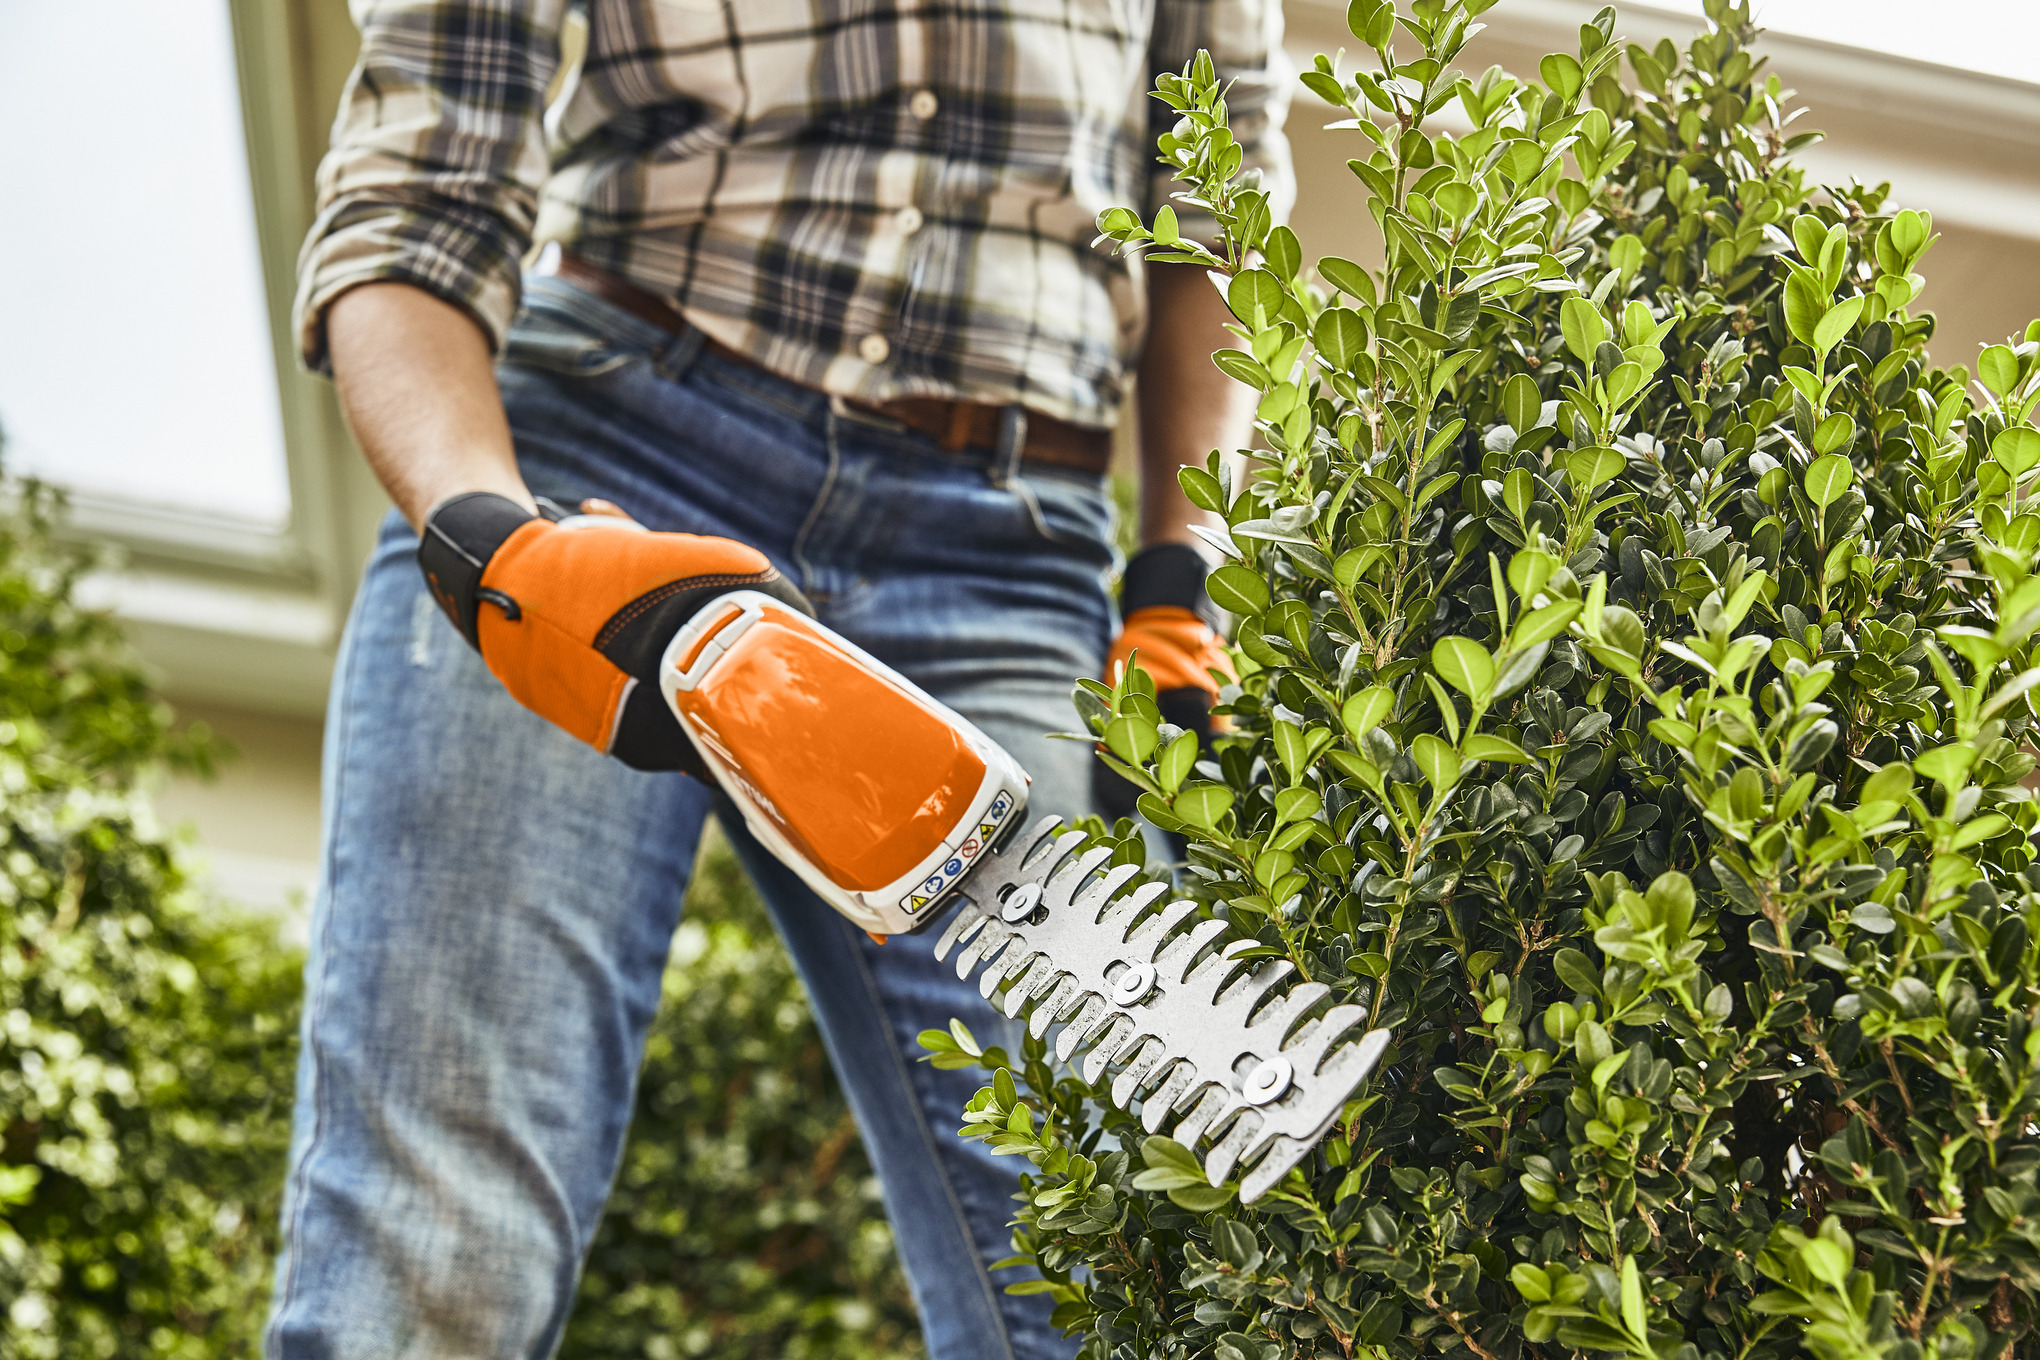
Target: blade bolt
(1267, 1082)
(1134, 984)
(1020, 903)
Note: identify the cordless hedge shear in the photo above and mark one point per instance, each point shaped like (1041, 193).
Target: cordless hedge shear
(901, 813)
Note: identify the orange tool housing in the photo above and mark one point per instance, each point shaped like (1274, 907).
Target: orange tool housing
(878, 796)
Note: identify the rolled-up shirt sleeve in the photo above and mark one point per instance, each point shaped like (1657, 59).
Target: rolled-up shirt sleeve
(1244, 38)
(437, 159)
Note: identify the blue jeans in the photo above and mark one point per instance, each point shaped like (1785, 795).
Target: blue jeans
(497, 900)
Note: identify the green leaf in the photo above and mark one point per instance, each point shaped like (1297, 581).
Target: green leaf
(1255, 296)
(1174, 766)
(1805, 304)
(1237, 589)
(1436, 758)
(1202, 805)
(1296, 805)
(1519, 491)
(2017, 450)
(1809, 238)
(1633, 1315)
(1522, 403)
(1348, 278)
(1541, 624)
(1340, 335)
(1562, 75)
(1836, 323)
(1947, 765)
(1366, 709)
(1584, 327)
(1165, 229)
(1132, 738)
(1835, 434)
(1169, 1165)
(1463, 664)
(1200, 1199)
(1482, 746)
(1998, 368)
(1828, 478)
(1283, 253)
(1202, 488)
(1595, 466)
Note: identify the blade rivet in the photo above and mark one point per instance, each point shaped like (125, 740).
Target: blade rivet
(1020, 903)
(1134, 984)
(1268, 1081)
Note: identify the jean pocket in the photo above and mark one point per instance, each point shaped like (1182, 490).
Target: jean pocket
(1077, 515)
(541, 337)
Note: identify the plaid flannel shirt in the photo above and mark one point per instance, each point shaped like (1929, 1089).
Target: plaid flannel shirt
(880, 198)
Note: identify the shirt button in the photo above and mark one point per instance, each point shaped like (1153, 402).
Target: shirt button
(923, 104)
(908, 219)
(873, 349)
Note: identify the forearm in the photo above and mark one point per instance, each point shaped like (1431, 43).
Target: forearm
(418, 386)
(1187, 407)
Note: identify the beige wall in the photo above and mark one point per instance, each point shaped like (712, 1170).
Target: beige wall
(1966, 148)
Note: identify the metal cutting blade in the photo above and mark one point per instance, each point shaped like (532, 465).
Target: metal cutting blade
(1205, 1045)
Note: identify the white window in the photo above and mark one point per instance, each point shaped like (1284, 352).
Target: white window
(1995, 37)
(136, 358)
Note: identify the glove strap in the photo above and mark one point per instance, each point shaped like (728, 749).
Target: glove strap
(1168, 574)
(461, 534)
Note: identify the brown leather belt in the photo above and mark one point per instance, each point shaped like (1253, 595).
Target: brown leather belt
(953, 425)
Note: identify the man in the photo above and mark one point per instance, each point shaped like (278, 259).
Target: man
(823, 294)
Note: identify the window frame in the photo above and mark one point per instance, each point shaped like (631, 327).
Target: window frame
(231, 611)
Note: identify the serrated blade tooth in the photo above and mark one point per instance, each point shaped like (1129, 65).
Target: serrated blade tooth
(1038, 976)
(1061, 887)
(1091, 898)
(1307, 1049)
(967, 922)
(1114, 1035)
(1202, 1115)
(1283, 1153)
(1154, 932)
(1006, 964)
(1279, 1016)
(1051, 1007)
(1129, 908)
(1158, 1104)
(1127, 1084)
(1173, 959)
(1114, 1031)
(1091, 1011)
(1349, 1064)
(987, 943)
(1225, 1154)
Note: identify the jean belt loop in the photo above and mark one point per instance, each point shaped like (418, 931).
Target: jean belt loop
(1012, 443)
(679, 355)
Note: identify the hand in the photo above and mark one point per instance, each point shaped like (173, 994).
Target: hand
(573, 615)
(1176, 646)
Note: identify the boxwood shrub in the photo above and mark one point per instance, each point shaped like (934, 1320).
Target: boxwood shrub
(1635, 628)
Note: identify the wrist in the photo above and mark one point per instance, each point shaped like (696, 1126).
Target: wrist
(1167, 575)
(457, 537)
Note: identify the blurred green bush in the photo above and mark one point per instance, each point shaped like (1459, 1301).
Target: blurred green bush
(148, 1040)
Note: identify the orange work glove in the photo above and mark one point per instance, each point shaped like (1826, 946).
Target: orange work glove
(1168, 623)
(573, 613)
